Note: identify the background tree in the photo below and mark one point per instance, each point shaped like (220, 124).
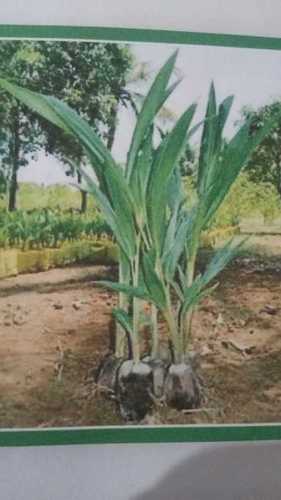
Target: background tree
(265, 163)
(90, 77)
(2, 183)
(188, 161)
(3, 159)
(20, 134)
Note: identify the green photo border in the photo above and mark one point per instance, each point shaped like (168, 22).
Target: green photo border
(139, 434)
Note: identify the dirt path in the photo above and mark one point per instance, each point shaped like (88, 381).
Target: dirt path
(54, 329)
(265, 245)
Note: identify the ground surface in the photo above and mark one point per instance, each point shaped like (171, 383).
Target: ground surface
(54, 329)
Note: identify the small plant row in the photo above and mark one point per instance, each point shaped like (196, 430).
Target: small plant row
(48, 228)
(15, 261)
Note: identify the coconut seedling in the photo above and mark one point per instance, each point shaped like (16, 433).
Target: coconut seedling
(167, 263)
(148, 182)
(157, 236)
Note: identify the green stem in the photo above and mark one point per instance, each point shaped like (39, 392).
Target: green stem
(123, 302)
(170, 318)
(144, 236)
(136, 304)
(187, 319)
(135, 337)
(155, 332)
(173, 334)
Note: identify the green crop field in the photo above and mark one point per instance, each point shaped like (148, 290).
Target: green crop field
(57, 196)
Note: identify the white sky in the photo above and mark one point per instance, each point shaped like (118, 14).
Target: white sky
(253, 76)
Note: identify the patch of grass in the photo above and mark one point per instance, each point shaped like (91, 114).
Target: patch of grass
(57, 196)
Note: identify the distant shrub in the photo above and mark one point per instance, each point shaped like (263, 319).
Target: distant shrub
(248, 198)
(245, 199)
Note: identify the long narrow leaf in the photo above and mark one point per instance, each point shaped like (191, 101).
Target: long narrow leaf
(124, 319)
(61, 115)
(127, 289)
(208, 140)
(223, 113)
(234, 157)
(220, 260)
(141, 172)
(113, 221)
(193, 296)
(151, 105)
(64, 117)
(153, 283)
(122, 204)
(173, 254)
(35, 101)
(166, 161)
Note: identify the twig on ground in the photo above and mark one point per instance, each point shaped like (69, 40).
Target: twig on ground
(99, 388)
(201, 410)
(60, 363)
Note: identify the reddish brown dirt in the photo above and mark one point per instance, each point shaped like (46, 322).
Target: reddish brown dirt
(54, 330)
(238, 333)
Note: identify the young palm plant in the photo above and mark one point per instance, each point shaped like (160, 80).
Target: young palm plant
(157, 236)
(171, 235)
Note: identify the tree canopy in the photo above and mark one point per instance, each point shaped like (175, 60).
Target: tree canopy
(265, 163)
(88, 76)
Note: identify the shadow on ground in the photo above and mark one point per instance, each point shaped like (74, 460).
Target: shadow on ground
(223, 472)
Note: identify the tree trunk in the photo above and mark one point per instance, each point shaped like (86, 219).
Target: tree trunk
(13, 186)
(84, 202)
(279, 176)
(113, 126)
(84, 197)
(12, 203)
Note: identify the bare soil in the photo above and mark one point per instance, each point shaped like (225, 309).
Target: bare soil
(56, 326)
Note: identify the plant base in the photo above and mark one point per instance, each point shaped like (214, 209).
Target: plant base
(134, 390)
(107, 372)
(182, 388)
(159, 372)
(138, 386)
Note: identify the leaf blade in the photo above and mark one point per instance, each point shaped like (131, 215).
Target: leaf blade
(151, 105)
